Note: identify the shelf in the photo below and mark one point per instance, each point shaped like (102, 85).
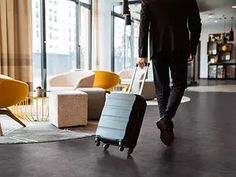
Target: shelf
(222, 71)
(220, 65)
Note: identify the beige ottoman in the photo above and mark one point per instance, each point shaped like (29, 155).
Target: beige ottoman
(96, 101)
(68, 108)
(148, 91)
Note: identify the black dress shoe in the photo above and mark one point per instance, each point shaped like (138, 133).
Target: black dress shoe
(166, 127)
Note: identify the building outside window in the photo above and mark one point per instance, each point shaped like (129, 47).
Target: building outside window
(61, 37)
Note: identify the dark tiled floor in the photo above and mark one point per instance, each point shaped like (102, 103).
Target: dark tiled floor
(205, 147)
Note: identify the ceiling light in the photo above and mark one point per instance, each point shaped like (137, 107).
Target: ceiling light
(210, 15)
(234, 7)
(216, 21)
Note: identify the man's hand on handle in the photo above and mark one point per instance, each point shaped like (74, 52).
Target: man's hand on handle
(142, 62)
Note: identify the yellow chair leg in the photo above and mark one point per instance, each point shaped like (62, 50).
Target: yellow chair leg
(11, 115)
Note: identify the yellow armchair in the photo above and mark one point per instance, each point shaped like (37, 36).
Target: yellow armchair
(106, 79)
(11, 92)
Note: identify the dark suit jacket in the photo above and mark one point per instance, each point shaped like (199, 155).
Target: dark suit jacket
(174, 25)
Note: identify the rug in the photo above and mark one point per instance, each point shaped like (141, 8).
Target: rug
(154, 102)
(214, 88)
(39, 132)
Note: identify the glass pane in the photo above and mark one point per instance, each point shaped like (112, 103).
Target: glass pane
(128, 48)
(220, 72)
(84, 37)
(36, 43)
(60, 36)
(135, 10)
(231, 69)
(86, 1)
(118, 9)
(125, 44)
(212, 71)
(132, 34)
(119, 43)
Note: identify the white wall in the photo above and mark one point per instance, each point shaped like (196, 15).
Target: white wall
(206, 30)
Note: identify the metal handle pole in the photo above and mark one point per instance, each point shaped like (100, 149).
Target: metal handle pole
(132, 79)
(143, 80)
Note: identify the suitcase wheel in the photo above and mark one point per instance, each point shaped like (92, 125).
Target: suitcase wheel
(97, 142)
(106, 146)
(130, 150)
(121, 148)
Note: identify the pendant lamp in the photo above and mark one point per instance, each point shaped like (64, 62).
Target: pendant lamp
(126, 7)
(128, 20)
(231, 33)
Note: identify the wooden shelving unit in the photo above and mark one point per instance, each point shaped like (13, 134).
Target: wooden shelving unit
(220, 64)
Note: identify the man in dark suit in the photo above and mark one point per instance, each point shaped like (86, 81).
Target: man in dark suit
(174, 28)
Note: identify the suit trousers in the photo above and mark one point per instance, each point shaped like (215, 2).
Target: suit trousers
(169, 97)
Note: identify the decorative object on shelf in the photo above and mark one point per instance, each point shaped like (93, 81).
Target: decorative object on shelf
(212, 48)
(39, 91)
(224, 38)
(213, 59)
(126, 7)
(231, 33)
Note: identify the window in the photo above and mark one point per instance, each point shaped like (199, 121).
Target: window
(62, 37)
(125, 42)
(37, 14)
(37, 4)
(37, 34)
(85, 38)
(119, 43)
(60, 57)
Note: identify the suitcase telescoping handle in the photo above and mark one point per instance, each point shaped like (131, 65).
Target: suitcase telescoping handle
(143, 79)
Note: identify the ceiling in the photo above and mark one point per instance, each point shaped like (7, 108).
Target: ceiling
(213, 12)
(217, 11)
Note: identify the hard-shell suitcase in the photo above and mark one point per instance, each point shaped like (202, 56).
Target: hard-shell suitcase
(121, 119)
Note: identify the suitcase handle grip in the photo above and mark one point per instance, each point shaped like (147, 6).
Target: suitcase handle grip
(143, 80)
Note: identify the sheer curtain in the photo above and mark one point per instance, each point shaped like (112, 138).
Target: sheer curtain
(16, 39)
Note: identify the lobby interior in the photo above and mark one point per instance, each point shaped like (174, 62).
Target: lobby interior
(57, 48)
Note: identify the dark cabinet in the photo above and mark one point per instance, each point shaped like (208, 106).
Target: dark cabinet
(222, 71)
